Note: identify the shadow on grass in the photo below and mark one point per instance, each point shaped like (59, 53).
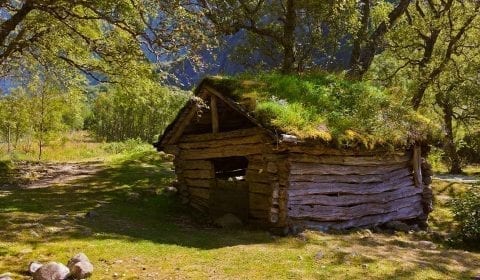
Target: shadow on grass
(127, 201)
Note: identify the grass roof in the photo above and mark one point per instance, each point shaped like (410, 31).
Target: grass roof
(327, 107)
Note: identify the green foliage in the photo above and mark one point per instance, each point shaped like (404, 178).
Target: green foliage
(466, 210)
(329, 106)
(138, 108)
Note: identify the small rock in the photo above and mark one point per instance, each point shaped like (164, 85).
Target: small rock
(51, 271)
(229, 221)
(81, 270)
(427, 245)
(398, 226)
(6, 276)
(364, 265)
(318, 256)
(80, 266)
(300, 258)
(171, 190)
(34, 266)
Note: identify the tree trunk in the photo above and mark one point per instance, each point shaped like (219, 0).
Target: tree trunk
(449, 141)
(289, 37)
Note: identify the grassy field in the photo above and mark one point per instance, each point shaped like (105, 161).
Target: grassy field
(139, 232)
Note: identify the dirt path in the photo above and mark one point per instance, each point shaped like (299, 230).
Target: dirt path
(42, 175)
(463, 179)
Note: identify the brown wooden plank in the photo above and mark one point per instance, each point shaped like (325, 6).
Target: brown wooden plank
(251, 139)
(198, 174)
(262, 188)
(346, 200)
(221, 135)
(302, 188)
(404, 213)
(348, 179)
(199, 192)
(214, 111)
(195, 164)
(260, 201)
(334, 213)
(227, 151)
(331, 169)
(199, 183)
(417, 165)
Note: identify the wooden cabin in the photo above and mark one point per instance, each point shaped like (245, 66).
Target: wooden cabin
(226, 161)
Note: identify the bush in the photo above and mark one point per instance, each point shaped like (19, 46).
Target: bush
(466, 211)
(127, 146)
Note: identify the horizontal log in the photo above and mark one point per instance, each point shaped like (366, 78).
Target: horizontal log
(221, 135)
(374, 160)
(200, 183)
(335, 169)
(405, 213)
(226, 151)
(348, 179)
(334, 213)
(252, 139)
(199, 192)
(305, 189)
(260, 202)
(199, 174)
(195, 164)
(348, 200)
(255, 177)
(323, 150)
(259, 214)
(261, 188)
(199, 203)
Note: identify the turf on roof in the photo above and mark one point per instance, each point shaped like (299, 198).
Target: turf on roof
(327, 107)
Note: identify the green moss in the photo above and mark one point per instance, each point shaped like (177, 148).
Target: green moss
(328, 107)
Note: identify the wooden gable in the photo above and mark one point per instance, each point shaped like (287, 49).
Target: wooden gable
(209, 112)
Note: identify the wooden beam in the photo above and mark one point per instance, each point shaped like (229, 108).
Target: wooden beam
(417, 166)
(214, 110)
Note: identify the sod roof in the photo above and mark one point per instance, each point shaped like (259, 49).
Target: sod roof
(327, 107)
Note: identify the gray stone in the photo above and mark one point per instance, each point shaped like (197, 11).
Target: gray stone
(81, 270)
(229, 221)
(34, 266)
(52, 271)
(80, 266)
(6, 276)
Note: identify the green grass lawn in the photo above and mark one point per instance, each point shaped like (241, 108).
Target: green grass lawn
(151, 236)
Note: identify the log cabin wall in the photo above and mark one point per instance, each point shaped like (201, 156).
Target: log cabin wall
(332, 189)
(196, 176)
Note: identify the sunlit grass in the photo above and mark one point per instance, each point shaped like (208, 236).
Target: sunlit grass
(152, 236)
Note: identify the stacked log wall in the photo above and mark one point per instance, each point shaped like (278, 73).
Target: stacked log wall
(341, 191)
(196, 175)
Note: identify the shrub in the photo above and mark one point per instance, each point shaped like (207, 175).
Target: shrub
(466, 211)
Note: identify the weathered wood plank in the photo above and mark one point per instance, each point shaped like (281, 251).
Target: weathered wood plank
(323, 150)
(199, 192)
(303, 188)
(250, 139)
(195, 164)
(261, 188)
(331, 169)
(374, 160)
(199, 174)
(417, 165)
(347, 200)
(404, 213)
(334, 213)
(226, 151)
(221, 135)
(199, 183)
(260, 201)
(348, 179)
(214, 111)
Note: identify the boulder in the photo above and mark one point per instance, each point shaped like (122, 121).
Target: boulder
(5, 276)
(229, 221)
(80, 266)
(51, 271)
(34, 266)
